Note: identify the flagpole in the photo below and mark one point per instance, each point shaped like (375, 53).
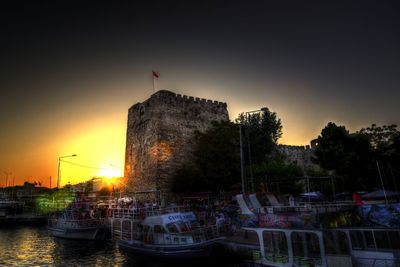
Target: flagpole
(154, 83)
(155, 75)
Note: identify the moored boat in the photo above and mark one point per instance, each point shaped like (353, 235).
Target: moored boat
(286, 240)
(366, 247)
(165, 233)
(76, 222)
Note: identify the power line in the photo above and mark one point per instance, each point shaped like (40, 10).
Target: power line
(86, 166)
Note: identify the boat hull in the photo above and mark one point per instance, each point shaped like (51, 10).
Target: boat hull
(83, 234)
(167, 251)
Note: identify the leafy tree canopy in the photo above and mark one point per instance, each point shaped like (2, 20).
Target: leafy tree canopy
(353, 156)
(260, 132)
(216, 157)
(216, 164)
(278, 175)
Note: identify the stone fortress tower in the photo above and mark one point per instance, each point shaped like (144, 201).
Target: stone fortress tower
(159, 137)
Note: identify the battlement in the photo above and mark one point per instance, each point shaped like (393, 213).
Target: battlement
(294, 148)
(186, 99)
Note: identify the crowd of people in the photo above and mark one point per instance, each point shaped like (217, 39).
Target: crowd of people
(219, 213)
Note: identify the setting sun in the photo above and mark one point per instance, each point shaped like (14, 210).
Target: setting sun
(109, 172)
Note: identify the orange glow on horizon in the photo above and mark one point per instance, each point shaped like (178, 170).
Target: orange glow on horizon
(111, 181)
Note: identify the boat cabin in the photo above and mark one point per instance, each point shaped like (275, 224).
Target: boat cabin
(333, 247)
(173, 228)
(177, 228)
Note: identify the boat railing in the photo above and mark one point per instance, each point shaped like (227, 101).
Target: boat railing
(74, 223)
(307, 207)
(143, 212)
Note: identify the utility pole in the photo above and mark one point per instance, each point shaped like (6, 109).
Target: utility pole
(251, 182)
(242, 160)
(383, 186)
(7, 174)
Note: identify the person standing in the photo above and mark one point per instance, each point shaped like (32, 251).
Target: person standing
(292, 201)
(357, 199)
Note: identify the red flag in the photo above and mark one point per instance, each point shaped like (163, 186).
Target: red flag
(155, 74)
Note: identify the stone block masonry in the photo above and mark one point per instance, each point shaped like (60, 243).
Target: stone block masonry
(159, 137)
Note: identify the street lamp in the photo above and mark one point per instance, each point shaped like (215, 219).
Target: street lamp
(59, 161)
(242, 169)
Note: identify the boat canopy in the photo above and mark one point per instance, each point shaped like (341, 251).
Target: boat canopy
(381, 194)
(170, 218)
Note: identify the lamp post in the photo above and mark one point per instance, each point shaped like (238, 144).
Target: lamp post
(59, 163)
(243, 178)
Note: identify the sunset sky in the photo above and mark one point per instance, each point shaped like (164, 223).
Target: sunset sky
(71, 71)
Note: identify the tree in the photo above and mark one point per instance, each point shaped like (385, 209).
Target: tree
(332, 149)
(276, 173)
(380, 136)
(385, 143)
(216, 161)
(348, 155)
(261, 132)
(216, 156)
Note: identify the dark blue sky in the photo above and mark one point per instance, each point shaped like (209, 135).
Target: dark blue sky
(73, 63)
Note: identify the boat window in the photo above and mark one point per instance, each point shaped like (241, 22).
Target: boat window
(369, 239)
(344, 246)
(394, 238)
(159, 229)
(382, 240)
(172, 228)
(183, 227)
(306, 249)
(357, 240)
(387, 239)
(146, 229)
(276, 248)
(336, 242)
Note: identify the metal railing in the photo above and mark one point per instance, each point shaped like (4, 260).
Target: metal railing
(143, 212)
(306, 207)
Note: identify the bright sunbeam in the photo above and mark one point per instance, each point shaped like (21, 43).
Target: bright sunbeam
(109, 172)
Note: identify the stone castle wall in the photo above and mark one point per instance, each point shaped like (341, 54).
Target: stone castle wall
(159, 136)
(299, 155)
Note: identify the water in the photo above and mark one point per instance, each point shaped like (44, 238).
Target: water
(33, 246)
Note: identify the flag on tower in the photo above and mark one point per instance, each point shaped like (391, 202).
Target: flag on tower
(155, 75)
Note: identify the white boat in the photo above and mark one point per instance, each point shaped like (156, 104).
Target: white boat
(282, 244)
(164, 233)
(365, 247)
(75, 223)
